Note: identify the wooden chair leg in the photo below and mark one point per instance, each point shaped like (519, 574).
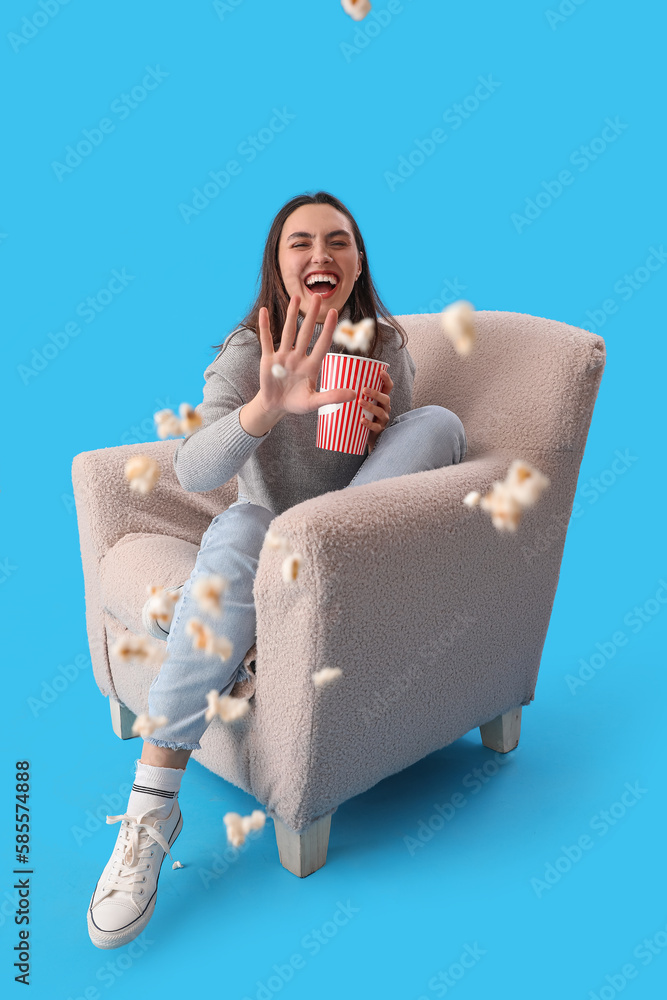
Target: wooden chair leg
(502, 733)
(303, 853)
(122, 719)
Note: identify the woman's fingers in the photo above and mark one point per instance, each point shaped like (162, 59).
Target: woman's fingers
(308, 325)
(289, 328)
(331, 397)
(265, 338)
(324, 340)
(330, 323)
(379, 415)
(382, 397)
(375, 411)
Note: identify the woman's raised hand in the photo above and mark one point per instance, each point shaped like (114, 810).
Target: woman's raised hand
(296, 392)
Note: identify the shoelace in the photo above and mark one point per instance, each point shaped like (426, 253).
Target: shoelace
(136, 834)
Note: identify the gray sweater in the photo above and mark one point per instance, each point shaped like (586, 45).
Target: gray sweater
(284, 467)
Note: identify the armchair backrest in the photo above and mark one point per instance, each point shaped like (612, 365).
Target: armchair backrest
(528, 386)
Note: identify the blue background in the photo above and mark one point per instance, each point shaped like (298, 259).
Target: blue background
(357, 110)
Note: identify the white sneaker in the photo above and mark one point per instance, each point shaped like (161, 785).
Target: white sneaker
(155, 628)
(124, 898)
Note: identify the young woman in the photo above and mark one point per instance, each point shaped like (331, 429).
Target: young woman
(263, 429)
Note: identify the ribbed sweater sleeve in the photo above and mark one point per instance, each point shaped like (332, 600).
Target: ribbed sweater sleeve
(215, 452)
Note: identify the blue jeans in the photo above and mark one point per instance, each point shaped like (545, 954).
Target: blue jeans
(426, 438)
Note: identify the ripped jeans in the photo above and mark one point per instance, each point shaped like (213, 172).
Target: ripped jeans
(426, 438)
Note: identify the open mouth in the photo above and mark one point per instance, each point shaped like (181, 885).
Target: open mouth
(322, 283)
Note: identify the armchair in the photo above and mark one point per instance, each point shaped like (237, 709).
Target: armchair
(459, 610)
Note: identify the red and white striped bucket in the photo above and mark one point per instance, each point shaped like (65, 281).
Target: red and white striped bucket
(339, 426)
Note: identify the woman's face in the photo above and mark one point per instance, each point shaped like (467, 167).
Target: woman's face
(317, 241)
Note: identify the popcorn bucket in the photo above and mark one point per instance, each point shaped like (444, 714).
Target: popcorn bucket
(339, 426)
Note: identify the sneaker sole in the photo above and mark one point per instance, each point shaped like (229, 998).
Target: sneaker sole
(116, 939)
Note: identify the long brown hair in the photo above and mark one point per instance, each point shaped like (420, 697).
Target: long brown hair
(363, 301)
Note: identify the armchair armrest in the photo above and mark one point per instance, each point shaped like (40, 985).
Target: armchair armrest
(115, 510)
(436, 619)
(107, 509)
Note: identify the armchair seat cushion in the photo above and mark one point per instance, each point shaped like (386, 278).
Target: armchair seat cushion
(134, 562)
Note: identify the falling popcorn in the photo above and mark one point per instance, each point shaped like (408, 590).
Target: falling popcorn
(169, 425)
(190, 419)
(457, 322)
(255, 821)
(142, 473)
(291, 561)
(161, 604)
(290, 567)
(177, 864)
(239, 826)
(204, 638)
(208, 590)
(526, 482)
(220, 646)
(278, 371)
(132, 647)
(145, 724)
(504, 508)
(234, 824)
(275, 541)
(213, 699)
(356, 337)
(199, 632)
(357, 9)
(326, 676)
(235, 834)
(229, 709)
(505, 502)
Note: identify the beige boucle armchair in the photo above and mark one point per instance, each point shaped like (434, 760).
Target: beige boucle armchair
(449, 637)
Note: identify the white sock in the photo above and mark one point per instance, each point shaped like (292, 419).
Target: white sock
(154, 786)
